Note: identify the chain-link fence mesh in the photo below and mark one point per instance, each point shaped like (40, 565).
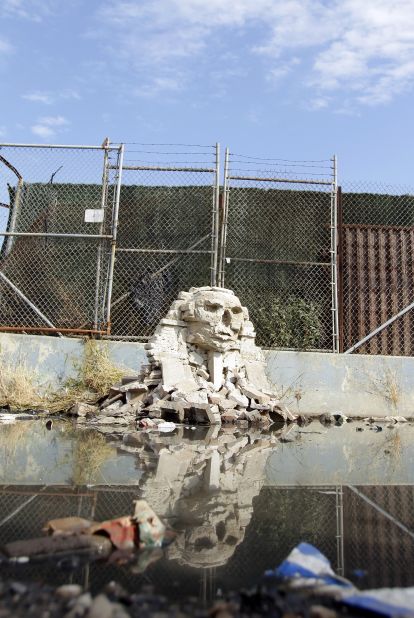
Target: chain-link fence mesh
(368, 536)
(165, 233)
(277, 244)
(376, 246)
(277, 256)
(50, 253)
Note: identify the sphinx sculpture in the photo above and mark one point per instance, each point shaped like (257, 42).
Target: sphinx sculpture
(204, 366)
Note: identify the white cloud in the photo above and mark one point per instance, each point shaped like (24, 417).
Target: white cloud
(39, 97)
(5, 46)
(48, 98)
(361, 50)
(42, 131)
(53, 121)
(158, 85)
(49, 126)
(34, 10)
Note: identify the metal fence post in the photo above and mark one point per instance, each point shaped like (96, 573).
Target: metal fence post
(334, 253)
(216, 221)
(223, 233)
(115, 217)
(101, 231)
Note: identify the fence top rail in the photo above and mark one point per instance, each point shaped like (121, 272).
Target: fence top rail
(286, 180)
(155, 168)
(57, 146)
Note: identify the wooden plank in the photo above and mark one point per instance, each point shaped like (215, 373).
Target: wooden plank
(360, 268)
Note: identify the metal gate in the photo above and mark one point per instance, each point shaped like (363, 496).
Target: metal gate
(59, 208)
(167, 238)
(278, 248)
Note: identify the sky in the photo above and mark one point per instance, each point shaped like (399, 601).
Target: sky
(296, 79)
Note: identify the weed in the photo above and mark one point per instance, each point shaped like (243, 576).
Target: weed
(19, 385)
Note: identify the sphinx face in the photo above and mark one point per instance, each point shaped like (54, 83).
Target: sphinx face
(215, 320)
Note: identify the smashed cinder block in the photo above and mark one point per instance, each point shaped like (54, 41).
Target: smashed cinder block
(82, 409)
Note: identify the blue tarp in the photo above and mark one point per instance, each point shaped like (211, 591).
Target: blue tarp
(307, 567)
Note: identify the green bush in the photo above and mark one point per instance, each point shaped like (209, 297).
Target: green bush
(289, 323)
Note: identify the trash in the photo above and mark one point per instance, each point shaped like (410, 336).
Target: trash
(67, 525)
(52, 545)
(308, 569)
(151, 528)
(122, 532)
(166, 427)
(141, 530)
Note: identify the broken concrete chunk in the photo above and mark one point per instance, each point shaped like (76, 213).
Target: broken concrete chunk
(226, 404)
(254, 393)
(128, 379)
(229, 416)
(138, 386)
(196, 358)
(196, 397)
(82, 409)
(215, 398)
(173, 410)
(203, 373)
(203, 413)
(114, 407)
(238, 398)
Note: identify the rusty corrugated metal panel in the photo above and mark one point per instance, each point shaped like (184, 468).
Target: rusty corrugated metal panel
(378, 282)
(373, 542)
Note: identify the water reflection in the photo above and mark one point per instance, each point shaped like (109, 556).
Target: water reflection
(239, 502)
(205, 486)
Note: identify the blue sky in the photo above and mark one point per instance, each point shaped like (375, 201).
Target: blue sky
(286, 78)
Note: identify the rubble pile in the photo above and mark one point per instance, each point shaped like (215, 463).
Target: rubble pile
(203, 368)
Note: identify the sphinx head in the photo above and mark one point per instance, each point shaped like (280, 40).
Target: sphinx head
(215, 319)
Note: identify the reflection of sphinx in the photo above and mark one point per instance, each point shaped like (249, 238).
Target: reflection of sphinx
(204, 364)
(207, 486)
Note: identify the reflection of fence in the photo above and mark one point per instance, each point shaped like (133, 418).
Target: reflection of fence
(366, 532)
(96, 242)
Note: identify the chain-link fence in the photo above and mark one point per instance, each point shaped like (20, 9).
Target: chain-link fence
(58, 210)
(277, 251)
(92, 241)
(376, 253)
(167, 232)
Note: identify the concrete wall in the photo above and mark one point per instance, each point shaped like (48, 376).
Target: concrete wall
(310, 382)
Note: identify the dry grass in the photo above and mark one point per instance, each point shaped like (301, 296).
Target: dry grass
(11, 437)
(91, 451)
(19, 388)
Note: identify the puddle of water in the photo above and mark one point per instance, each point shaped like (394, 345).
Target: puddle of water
(239, 502)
